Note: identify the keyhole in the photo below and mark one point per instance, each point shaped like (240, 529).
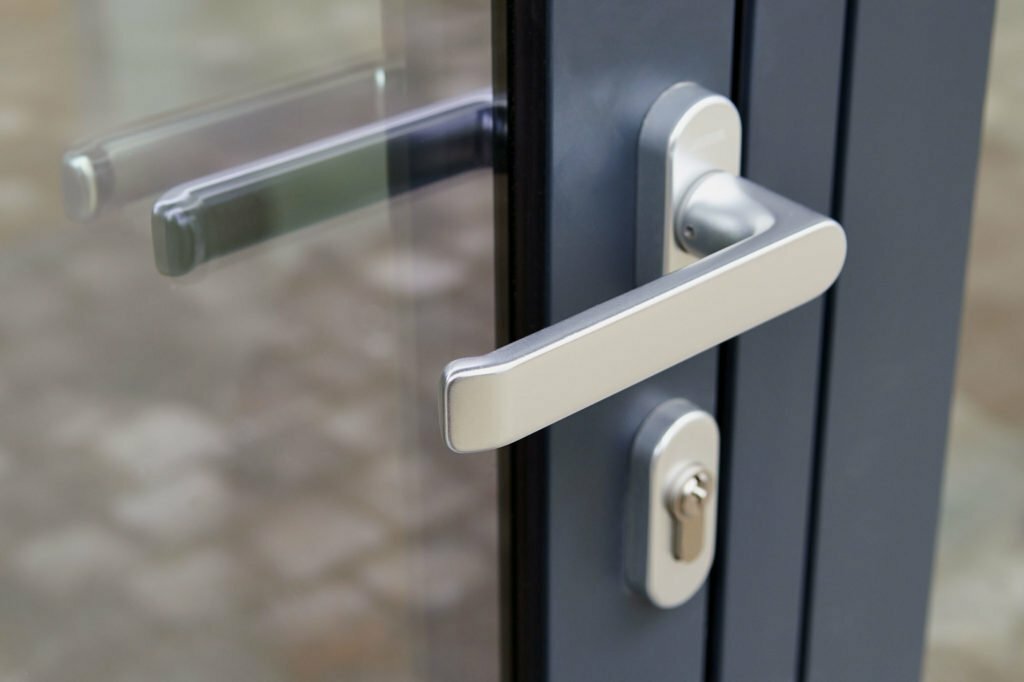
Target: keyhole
(686, 498)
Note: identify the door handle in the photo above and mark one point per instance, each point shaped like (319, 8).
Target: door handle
(224, 212)
(154, 155)
(205, 213)
(761, 255)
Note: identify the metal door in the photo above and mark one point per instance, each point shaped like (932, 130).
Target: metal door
(239, 473)
(833, 416)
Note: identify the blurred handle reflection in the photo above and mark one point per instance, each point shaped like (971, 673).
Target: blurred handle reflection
(222, 213)
(155, 155)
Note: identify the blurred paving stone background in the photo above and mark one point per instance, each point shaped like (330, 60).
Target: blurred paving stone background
(237, 475)
(224, 477)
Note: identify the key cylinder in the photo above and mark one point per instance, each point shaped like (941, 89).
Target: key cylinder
(687, 496)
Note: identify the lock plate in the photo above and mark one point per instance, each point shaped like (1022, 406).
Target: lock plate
(675, 455)
(688, 132)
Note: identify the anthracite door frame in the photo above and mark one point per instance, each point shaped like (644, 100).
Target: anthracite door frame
(913, 89)
(769, 377)
(578, 84)
(834, 415)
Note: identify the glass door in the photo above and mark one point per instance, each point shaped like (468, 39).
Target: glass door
(234, 473)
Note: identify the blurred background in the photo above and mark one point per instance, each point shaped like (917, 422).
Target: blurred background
(137, 542)
(236, 475)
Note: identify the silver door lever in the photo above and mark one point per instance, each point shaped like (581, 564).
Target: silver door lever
(735, 254)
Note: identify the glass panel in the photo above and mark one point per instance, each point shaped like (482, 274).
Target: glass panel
(237, 474)
(976, 629)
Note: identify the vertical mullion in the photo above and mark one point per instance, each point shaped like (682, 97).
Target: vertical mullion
(788, 66)
(912, 106)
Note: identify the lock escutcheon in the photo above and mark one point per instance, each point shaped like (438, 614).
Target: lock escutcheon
(671, 506)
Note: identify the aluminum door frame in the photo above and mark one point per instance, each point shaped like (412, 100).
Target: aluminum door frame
(769, 377)
(913, 91)
(817, 83)
(579, 75)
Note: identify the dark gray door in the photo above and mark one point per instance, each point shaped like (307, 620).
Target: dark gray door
(580, 77)
(833, 416)
(908, 148)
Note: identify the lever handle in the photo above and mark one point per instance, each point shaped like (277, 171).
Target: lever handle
(213, 216)
(154, 155)
(766, 256)
(495, 399)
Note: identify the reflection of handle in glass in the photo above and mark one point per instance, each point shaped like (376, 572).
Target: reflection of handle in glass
(155, 155)
(212, 216)
(768, 255)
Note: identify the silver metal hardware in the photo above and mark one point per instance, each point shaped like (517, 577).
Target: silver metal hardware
(786, 255)
(671, 504)
(686, 496)
(687, 133)
(718, 212)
